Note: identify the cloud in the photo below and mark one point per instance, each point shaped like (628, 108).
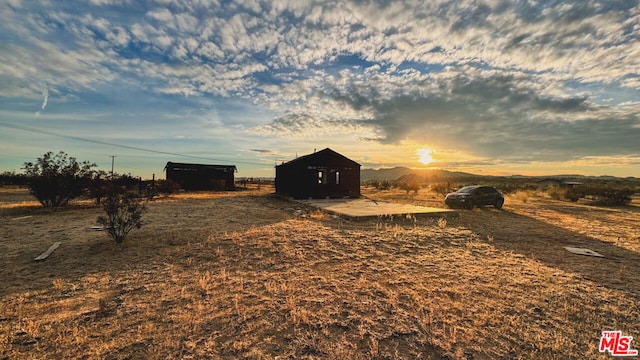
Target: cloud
(552, 37)
(108, 2)
(45, 96)
(501, 80)
(262, 151)
(493, 114)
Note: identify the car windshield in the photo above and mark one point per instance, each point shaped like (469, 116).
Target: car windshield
(467, 189)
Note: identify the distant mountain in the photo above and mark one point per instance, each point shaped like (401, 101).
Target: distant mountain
(426, 175)
(435, 175)
(384, 174)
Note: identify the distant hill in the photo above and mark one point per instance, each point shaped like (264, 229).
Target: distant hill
(426, 175)
(435, 175)
(384, 174)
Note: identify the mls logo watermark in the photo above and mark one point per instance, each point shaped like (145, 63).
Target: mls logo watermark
(616, 344)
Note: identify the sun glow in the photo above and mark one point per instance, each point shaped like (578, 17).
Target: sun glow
(424, 155)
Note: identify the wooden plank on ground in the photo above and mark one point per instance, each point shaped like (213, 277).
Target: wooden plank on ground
(581, 251)
(46, 254)
(22, 217)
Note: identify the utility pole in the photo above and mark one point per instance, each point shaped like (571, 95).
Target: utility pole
(113, 158)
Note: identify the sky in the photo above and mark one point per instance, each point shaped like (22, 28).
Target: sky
(488, 87)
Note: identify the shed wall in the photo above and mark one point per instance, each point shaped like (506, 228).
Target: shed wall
(319, 176)
(201, 177)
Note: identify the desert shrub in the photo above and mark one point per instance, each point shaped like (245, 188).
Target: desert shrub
(524, 195)
(124, 213)
(443, 188)
(380, 184)
(601, 194)
(11, 178)
(102, 184)
(218, 184)
(409, 186)
(574, 194)
(167, 186)
(98, 187)
(125, 181)
(557, 193)
(410, 182)
(384, 185)
(507, 187)
(612, 196)
(372, 183)
(56, 179)
(148, 190)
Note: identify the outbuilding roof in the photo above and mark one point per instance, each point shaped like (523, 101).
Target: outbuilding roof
(174, 165)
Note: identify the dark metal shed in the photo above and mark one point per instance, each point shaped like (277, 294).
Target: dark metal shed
(319, 175)
(202, 176)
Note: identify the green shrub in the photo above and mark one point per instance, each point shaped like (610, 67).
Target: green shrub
(57, 179)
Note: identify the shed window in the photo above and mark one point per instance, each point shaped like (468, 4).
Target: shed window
(321, 177)
(337, 177)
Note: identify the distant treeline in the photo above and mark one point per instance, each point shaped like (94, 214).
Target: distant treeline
(505, 184)
(13, 178)
(597, 190)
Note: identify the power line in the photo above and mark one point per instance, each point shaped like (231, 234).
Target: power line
(46, 132)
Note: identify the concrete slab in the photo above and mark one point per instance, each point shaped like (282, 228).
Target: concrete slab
(365, 208)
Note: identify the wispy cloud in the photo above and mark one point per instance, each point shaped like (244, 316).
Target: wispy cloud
(45, 96)
(510, 81)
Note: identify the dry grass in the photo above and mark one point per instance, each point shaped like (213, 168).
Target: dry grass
(239, 275)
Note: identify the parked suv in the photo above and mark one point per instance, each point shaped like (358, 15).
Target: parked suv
(475, 195)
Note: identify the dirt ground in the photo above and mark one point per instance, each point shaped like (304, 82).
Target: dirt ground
(247, 275)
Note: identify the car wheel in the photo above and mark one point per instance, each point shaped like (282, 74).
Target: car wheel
(470, 204)
(499, 203)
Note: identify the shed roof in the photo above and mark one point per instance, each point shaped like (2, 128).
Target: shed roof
(319, 155)
(206, 166)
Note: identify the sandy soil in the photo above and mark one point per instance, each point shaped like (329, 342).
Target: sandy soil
(247, 275)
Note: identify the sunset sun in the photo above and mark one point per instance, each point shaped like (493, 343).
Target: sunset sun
(424, 155)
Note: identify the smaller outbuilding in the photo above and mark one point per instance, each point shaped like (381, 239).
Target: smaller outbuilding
(201, 176)
(323, 174)
(546, 184)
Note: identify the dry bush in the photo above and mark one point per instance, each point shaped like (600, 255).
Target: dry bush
(381, 185)
(602, 194)
(443, 188)
(557, 193)
(167, 187)
(524, 195)
(409, 185)
(124, 213)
